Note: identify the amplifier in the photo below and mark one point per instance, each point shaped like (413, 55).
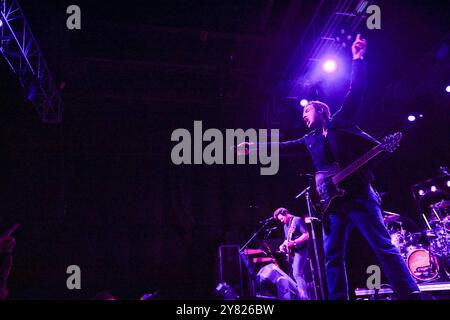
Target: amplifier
(230, 268)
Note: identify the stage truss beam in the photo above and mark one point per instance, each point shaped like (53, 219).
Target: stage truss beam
(19, 48)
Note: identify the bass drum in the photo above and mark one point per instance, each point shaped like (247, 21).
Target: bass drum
(421, 264)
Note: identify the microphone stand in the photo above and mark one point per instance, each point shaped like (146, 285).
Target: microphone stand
(264, 225)
(250, 269)
(314, 240)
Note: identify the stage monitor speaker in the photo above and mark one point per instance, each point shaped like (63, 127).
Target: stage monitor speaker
(230, 267)
(273, 282)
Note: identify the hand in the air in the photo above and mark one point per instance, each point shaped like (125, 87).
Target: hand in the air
(7, 245)
(359, 47)
(5, 269)
(7, 242)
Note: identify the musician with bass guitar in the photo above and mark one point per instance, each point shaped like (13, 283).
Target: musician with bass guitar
(295, 247)
(345, 197)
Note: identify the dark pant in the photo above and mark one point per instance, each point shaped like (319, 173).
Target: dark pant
(364, 214)
(298, 267)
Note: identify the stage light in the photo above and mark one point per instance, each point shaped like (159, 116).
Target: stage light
(448, 183)
(433, 189)
(1, 23)
(447, 89)
(329, 66)
(421, 192)
(303, 102)
(411, 118)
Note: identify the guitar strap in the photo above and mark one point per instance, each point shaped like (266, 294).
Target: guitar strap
(291, 229)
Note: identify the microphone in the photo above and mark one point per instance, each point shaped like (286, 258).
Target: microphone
(267, 220)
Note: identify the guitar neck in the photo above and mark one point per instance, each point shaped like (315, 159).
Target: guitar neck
(357, 164)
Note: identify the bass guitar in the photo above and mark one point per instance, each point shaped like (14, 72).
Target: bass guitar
(327, 182)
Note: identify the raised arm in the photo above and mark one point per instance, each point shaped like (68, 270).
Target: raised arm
(349, 110)
(245, 148)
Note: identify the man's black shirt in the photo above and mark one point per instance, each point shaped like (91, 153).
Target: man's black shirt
(344, 141)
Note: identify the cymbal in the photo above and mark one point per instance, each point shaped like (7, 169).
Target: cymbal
(405, 222)
(441, 204)
(390, 216)
(428, 199)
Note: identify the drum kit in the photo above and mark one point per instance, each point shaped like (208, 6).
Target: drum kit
(426, 252)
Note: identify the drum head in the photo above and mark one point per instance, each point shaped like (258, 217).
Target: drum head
(421, 265)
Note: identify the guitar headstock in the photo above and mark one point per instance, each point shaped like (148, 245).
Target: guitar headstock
(391, 142)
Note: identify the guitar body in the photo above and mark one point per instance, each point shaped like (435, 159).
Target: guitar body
(326, 189)
(327, 182)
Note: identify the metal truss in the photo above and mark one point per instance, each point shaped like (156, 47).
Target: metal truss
(343, 22)
(330, 38)
(21, 51)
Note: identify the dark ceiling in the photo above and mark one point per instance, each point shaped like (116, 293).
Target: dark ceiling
(159, 44)
(229, 55)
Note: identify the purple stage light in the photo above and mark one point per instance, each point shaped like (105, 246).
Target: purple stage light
(1, 23)
(448, 183)
(421, 192)
(433, 189)
(411, 118)
(447, 89)
(329, 66)
(303, 102)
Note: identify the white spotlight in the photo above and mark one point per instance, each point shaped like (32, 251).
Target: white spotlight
(329, 66)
